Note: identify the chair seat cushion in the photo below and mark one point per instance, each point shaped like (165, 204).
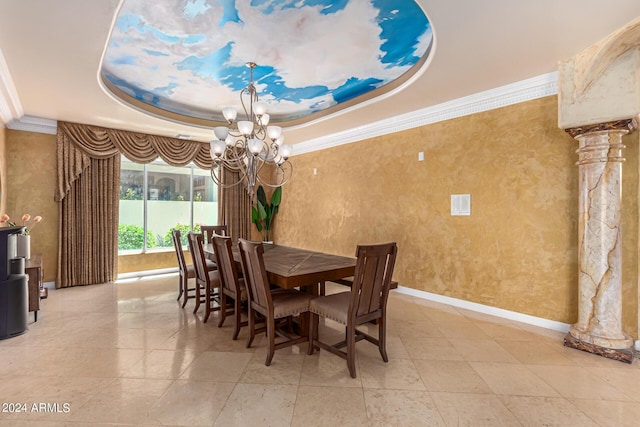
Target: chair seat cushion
(191, 271)
(211, 265)
(290, 303)
(214, 278)
(334, 306)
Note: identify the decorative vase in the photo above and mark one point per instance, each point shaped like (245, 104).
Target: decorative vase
(23, 246)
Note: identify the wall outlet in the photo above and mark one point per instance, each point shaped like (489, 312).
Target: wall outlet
(460, 204)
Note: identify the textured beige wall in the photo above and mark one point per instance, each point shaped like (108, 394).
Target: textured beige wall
(148, 261)
(30, 186)
(630, 235)
(517, 250)
(3, 168)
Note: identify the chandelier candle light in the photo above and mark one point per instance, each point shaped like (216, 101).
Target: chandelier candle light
(252, 145)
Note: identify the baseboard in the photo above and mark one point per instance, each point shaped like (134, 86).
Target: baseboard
(486, 309)
(136, 274)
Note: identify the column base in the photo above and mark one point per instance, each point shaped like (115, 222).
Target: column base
(622, 355)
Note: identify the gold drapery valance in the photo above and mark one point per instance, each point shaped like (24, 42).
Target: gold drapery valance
(100, 143)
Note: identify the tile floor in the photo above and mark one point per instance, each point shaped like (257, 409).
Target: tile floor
(127, 354)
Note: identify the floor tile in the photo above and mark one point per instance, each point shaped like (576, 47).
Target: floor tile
(329, 406)
(401, 408)
(576, 382)
(512, 379)
(167, 364)
(217, 366)
(546, 411)
(326, 369)
(259, 405)
(482, 350)
(473, 410)
(431, 349)
(536, 352)
(127, 354)
(610, 413)
(126, 400)
(397, 374)
(191, 403)
(286, 369)
(451, 376)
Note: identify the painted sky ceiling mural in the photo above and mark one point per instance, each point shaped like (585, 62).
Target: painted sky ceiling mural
(187, 57)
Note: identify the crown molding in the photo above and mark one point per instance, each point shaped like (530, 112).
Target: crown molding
(525, 90)
(34, 124)
(10, 106)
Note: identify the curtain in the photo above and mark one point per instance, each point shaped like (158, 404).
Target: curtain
(88, 192)
(234, 207)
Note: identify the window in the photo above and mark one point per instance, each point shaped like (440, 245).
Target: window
(156, 198)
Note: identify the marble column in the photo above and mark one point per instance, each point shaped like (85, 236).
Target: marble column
(599, 326)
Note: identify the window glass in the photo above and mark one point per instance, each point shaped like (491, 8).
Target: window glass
(172, 197)
(168, 201)
(205, 198)
(131, 219)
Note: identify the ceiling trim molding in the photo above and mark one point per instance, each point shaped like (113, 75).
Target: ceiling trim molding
(10, 106)
(525, 90)
(34, 124)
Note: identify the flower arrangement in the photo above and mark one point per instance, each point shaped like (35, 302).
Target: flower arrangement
(27, 222)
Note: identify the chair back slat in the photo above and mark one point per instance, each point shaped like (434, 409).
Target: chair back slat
(197, 253)
(255, 273)
(177, 245)
(226, 265)
(209, 230)
(372, 278)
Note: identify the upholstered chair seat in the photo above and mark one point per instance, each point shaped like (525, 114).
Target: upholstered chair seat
(366, 302)
(283, 304)
(334, 306)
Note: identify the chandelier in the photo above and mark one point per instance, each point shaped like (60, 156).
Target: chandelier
(240, 154)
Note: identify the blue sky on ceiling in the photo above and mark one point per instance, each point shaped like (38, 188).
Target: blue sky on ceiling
(188, 56)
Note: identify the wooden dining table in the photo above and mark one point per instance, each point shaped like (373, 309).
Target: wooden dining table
(289, 267)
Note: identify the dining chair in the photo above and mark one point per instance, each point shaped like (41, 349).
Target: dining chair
(209, 230)
(273, 306)
(206, 279)
(185, 271)
(232, 285)
(365, 302)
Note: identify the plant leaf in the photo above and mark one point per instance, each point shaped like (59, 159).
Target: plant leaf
(262, 197)
(261, 211)
(276, 197)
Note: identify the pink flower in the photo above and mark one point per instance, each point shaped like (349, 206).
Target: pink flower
(26, 218)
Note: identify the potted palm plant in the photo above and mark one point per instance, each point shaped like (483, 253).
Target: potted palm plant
(263, 213)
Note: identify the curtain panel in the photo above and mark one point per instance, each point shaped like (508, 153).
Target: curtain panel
(88, 192)
(234, 207)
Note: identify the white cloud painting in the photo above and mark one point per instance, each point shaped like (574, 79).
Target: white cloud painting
(188, 56)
